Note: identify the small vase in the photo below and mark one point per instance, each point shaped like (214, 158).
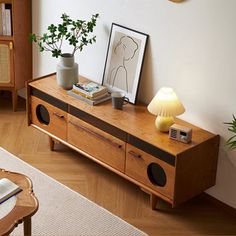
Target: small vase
(67, 71)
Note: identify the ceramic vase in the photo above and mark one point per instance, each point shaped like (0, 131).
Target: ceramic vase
(67, 71)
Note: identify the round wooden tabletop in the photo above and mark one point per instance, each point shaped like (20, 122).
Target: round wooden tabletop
(26, 204)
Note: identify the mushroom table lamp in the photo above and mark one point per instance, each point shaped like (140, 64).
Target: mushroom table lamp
(166, 106)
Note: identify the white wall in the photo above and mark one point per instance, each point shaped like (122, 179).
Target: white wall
(192, 48)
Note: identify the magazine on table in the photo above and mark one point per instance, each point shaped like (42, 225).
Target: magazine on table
(8, 189)
(89, 88)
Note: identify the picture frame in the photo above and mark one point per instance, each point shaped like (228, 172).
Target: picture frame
(124, 61)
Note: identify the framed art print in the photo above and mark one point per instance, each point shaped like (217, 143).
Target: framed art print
(124, 60)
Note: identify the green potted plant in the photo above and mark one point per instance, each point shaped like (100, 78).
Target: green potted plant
(231, 142)
(75, 33)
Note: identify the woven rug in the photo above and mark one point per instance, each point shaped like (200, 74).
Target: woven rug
(63, 211)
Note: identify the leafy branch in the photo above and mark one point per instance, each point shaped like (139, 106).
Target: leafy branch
(76, 32)
(231, 142)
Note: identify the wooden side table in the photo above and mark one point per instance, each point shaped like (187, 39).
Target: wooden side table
(25, 207)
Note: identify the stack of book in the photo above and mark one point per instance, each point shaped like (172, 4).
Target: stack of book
(5, 19)
(90, 92)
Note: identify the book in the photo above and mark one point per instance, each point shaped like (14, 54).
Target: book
(89, 88)
(98, 96)
(3, 14)
(1, 32)
(87, 100)
(8, 21)
(8, 189)
(5, 19)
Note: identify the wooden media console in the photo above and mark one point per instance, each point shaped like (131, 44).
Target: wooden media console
(126, 142)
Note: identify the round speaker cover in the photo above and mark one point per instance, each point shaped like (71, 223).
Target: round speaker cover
(42, 114)
(156, 174)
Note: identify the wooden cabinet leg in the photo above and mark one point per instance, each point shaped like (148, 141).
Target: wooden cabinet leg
(51, 143)
(153, 201)
(14, 100)
(153, 198)
(27, 226)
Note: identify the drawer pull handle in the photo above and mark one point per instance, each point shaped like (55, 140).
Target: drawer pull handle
(134, 154)
(58, 115)
(96, 135)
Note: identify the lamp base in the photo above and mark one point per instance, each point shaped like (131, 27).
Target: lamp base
(163, 123)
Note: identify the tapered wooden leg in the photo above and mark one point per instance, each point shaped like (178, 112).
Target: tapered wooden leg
(153, 201)
(153, 198)
(14, 100)
(51, 143)
(27, 226)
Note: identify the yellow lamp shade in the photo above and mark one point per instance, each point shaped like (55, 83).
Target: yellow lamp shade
(165, 105)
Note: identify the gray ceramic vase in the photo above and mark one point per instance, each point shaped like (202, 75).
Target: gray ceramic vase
(67, 71)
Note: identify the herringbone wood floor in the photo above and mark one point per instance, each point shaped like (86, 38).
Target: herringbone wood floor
(199, 216)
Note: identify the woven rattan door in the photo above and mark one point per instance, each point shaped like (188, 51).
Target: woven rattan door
(6, 63)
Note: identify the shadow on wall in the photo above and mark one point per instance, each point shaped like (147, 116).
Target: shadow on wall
(226, 153)
(225, 190)
(226, 135)
(107, 30)
(146, 85)
(231, 155)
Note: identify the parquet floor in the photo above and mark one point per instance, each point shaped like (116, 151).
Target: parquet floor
(199, 216)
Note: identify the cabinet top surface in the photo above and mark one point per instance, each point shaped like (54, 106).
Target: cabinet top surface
(133, 119)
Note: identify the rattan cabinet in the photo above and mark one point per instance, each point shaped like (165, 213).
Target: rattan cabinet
(15, 47)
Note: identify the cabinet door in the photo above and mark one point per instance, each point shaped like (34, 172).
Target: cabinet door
(151, 171)
(48, 117)
(6, 63)
(96, 143)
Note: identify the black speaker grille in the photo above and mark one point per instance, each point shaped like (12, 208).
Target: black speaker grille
(156, 174)
(42, 114)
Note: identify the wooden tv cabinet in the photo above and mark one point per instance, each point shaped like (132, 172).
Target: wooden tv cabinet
(126, 142)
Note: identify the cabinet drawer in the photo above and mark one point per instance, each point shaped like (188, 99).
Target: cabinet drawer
(96, 142)
(49, 118)
(149, 170)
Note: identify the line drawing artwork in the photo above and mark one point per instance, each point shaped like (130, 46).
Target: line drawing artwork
(123, 62)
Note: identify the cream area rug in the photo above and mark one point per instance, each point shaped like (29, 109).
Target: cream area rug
(63, 211)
